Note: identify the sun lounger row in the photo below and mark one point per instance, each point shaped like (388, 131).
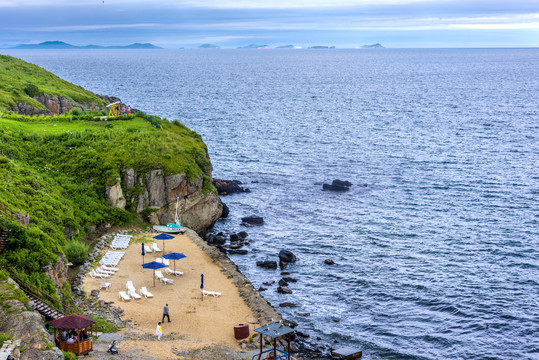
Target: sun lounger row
(132, 294)
(103, 272)
(112, 258)
(173, 272)
(120, 242)
(151, 248)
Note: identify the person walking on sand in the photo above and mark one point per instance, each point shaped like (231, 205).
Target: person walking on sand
(165, 313)
(158, 331)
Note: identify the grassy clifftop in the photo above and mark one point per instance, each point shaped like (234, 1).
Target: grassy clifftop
(57, 168)
(21, 82)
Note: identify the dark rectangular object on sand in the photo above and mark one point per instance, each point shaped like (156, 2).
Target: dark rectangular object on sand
(347, 353)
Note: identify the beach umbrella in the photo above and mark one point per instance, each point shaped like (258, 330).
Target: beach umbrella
(174, 256)
(163, 237)
(153, 265)
(202, 285)
(143, 253)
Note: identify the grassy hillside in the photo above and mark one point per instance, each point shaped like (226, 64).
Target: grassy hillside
(21, 81)
(56, 168)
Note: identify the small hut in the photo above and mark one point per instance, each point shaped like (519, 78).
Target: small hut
(75, 333)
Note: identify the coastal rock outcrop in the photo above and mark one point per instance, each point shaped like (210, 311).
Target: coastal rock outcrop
(28, 326)
(161, 193)
(225, 187)
(268, 264)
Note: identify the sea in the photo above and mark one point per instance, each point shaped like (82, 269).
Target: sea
(436, 244)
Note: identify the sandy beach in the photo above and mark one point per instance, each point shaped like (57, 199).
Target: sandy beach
(195, 322)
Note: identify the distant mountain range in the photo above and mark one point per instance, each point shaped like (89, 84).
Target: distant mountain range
(63, 45)
(208, 46)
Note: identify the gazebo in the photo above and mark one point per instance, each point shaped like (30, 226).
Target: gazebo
(81, 344)
(274, 330)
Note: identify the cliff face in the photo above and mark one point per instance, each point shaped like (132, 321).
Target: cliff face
(54, 105)
(20, 322)
(161, 193)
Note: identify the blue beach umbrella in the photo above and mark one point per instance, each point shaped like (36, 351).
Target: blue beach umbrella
(174, 256)
(153, 265)
(163, 237)
(202, 285)
(143, 253)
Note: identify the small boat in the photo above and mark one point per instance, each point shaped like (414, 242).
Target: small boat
(172, 228)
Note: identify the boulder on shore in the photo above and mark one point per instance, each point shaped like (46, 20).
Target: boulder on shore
(284, 290)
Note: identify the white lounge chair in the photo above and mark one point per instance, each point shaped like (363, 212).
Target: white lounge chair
(212, 293)
(173, 272)
(166, 281)
(105, 285)
(163, 261)
(94, 275)
(144, 292)
(104, 272)
(128, 285)
(133, 293)
(147, 249)
(109, 268)
(155, 248)
(122, 295)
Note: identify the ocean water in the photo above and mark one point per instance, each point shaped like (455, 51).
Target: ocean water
(436, 245)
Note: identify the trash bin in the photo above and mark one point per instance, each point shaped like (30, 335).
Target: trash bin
(241, 331)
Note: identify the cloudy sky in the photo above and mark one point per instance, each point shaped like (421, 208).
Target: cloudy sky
(233, 23)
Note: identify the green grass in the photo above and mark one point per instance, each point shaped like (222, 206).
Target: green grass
(16, 75)
(4, 337)
(57, 168)
(103, 325)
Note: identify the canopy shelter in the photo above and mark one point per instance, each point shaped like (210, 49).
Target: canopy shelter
(274, 330)
(113, 108)
(163, 237)
(73, 333)
(153, 265)
(174, 256)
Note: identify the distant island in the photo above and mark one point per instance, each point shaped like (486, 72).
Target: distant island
(63, 45)
(372, 46)
(288, 47)
(208, 46)
(321, 47)
(255, 46)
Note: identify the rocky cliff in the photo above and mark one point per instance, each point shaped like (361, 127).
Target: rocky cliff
(157, 195)
(54, 105)
(20, 322)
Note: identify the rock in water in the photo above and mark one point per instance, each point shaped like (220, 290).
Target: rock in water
(337, 185)
(268, 264)
(255, 220)
(243, 234)
(288, 304)
(283, 283)
(287, 256)
(329, 262)
(225, 187)
(284, 290)
(226, 211)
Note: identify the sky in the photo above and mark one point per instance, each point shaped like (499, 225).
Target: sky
(234, 23)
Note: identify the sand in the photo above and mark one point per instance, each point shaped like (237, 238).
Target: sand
(195, 322)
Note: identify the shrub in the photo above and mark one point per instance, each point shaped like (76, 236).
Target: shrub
(31, 90)
(76, 252)
(69, 355)
(4, 337)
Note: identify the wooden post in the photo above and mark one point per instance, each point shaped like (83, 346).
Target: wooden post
(288, 346)
(275, 348)
(259, 356)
